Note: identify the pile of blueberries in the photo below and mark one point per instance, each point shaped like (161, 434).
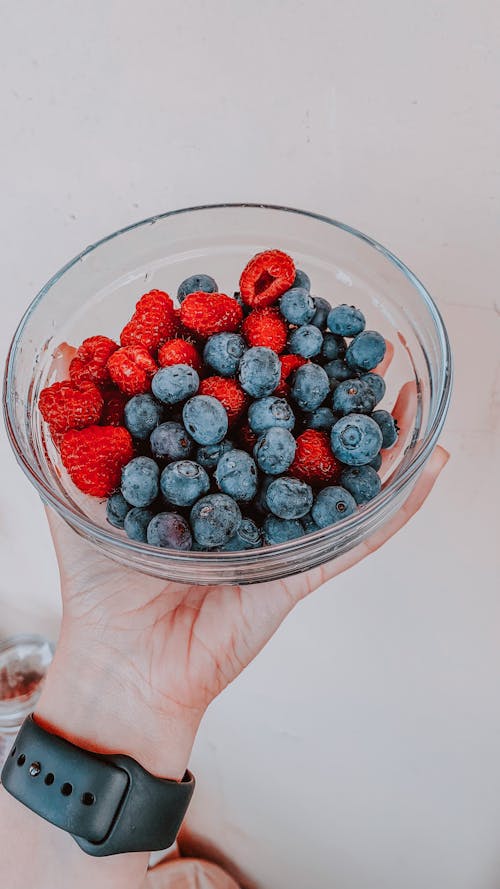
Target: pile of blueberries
(192, 488)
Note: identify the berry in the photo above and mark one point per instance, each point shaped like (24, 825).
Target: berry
(223, 352)
(306, 341)
(332, 505)
(209, 455)
(260, 502)
(229, 393)
(388, 427)
(302, 280)
(153, 321)
(275, 450)
(69, 405)
(376, 384)
(310, 386)
(236, 475)
(362, 482)
(346, 320)
(314, 461)
(116, 509)
(334, 346)
(170, 530)
(266, 277)
(353, 397)
(322, 418)
(270, 411)
(356, 439)
(265, 327)
(289, 498)
(205, 419)
(308, 524)
(179, 352)
(289, 363)
(184, 482)
(297, 306)
(248, 536)
(140, 481)
(322, 308)
(376, 463)
(90, 361)
(136, 523)
(174, 384)
(142, 415)
(277, 530)
(260, 371)
(113, 412)
(207, 313)
(215, 519)
(170, 441)
(196, 284)
(94, 457)
(366, 350)
(131, 368)
(246, 437)
(338, 370)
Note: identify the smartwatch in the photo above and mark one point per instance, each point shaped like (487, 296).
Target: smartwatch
(107, 802)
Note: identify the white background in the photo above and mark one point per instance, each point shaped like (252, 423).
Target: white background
(362, 749)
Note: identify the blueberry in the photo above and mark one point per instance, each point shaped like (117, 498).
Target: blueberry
(184, 482)
(223, 352)
(376, 384)
(205, 419)
(170, 441)
(297, 306)
(310, 386)
(270, 411)
(366, 350)
(275, 450)
(142, 413)
(116, 509)
(346, 320)
(215, 519)
(277, 530)
(338, 370)
(308, 524)
(322, 418)
(353, 397)
(289, 498)
(376, 463)
(301, 280)
(248, 536)
(260, 371)
(334, 346)
(175, 383)
(236, 475)
(195, 284)
(322, 308)
(136, 523)
(260, 502)
(168, 529)
(362, 482)
(388, 427)
(306, 341)
(140, 481)
(356, 439)
(209, 455)
(331, 505)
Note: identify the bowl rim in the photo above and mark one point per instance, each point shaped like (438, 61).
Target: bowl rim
(234, 559)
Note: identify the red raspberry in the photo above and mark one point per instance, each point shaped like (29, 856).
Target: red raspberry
(265, 327)
(247, 438)
(131, 368)
(90, 361)
(228, 392)
(289, 363)
(207, 313)
(67, 405)
(153, 321)
(95, 457)
(179, 352)
(314, 461)
(114, 406)
(266, 277)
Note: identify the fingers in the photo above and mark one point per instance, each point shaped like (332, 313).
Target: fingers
(384, 364)
(403, 412)
(61, 360)
(188, 874)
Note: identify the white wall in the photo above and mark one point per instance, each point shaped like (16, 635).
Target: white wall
(361, 749)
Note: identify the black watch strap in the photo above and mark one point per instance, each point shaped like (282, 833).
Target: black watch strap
(109, 803)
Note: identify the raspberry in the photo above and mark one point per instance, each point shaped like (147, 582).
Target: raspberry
(153, 321)
(131, 368)
(67, 405)
(114, 406)
(95, 457)
(228, 392)
(207, 313)
(289, 363)
(314, 461)
(247, 438)
(90, 361)
(179, 352)
(266, 277)
(265, 327)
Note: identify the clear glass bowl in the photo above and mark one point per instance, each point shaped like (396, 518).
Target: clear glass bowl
(96, 293)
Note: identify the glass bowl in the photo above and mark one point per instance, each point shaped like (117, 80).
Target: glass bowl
(96, 293)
